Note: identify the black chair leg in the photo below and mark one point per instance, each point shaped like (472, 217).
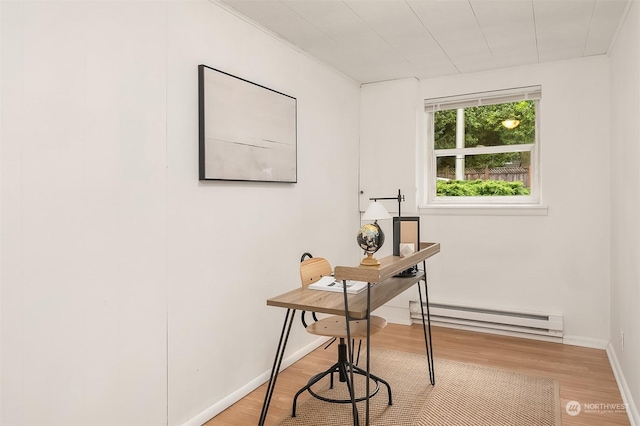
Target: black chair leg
(342, 368)
(315, 379)
(375, 379)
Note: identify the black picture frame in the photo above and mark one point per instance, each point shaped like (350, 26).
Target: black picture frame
(247, 132)
(406, 229)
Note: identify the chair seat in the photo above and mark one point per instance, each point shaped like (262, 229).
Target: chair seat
(335, 326)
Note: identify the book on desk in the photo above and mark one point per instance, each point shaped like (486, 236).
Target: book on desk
(329, 283)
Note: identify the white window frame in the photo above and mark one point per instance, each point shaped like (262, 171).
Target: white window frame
(480, 99)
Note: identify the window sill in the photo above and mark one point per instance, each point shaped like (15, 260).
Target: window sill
(485, 210)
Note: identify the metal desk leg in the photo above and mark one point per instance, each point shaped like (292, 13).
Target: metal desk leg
(282, 344)
(427, 341)
(368, 349)
(351, 386)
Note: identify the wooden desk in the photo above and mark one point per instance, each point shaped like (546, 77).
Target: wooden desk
(383, 286)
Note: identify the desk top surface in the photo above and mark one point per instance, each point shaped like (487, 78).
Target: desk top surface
(384, 286)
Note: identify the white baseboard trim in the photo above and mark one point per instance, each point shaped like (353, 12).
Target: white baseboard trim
(585, 342)
(236, 396)
(394, 314)
(632, 410)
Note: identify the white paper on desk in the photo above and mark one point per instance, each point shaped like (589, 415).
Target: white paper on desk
(331, 284)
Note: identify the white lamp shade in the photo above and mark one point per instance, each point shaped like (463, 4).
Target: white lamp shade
(376, 211)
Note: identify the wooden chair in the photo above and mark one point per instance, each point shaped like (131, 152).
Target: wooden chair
(311, 270)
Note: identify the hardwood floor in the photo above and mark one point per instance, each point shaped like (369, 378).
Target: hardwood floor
(584, 374)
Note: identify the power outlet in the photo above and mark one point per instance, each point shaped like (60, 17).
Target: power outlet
(622, 340)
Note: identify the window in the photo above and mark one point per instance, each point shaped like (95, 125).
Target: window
(482, 149)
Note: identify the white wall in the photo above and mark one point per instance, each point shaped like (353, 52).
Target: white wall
(556, 263)
(625, 206)
(132, 293)
(389, 117)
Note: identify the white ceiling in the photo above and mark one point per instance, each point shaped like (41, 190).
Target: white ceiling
(376, 40)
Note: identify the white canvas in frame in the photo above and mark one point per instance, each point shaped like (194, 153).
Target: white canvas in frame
(247, 131)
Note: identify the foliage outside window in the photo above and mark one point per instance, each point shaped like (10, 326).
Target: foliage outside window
(482, 148)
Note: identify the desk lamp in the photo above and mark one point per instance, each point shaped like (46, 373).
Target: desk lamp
(370, 237)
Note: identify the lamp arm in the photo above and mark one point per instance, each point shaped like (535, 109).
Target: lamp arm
(399, 197)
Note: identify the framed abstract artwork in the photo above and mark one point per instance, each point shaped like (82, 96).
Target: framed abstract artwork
(248, 132)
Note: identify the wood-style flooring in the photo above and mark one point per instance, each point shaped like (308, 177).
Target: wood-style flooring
(584, 374)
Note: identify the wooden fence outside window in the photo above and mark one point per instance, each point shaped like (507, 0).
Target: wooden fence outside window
(509, 174)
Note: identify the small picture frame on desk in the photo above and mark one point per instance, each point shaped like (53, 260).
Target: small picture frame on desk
(406, 239)
(406, 230)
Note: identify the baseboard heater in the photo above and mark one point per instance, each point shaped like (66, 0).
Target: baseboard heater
(523, 324)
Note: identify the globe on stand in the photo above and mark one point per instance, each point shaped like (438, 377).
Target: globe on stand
(370, 238)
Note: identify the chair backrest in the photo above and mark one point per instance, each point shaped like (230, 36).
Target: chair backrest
(311, 270)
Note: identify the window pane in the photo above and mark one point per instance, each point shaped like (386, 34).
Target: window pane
(490, 125)
(485, 175)
(482, 148)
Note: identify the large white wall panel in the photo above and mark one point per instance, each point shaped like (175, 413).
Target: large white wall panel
(83, 175)
(388, 137)
(558, 263)
(390, 117)
(625, 202)
(233, 245)
(132, 293)
(11, 295)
